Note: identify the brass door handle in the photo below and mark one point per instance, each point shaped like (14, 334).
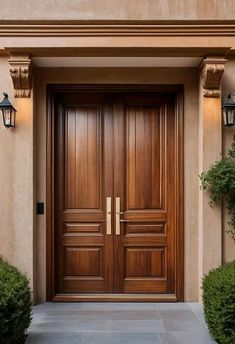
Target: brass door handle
(118, 213)
(108, 215)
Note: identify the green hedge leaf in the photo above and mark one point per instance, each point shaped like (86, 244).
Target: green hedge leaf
(15, 304)
(219, 303)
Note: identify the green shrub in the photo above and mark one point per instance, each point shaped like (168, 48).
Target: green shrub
(219, 180)
(219, 303)
(15, 304)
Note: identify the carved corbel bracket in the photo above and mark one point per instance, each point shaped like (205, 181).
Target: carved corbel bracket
(211, 70)
(21, 73)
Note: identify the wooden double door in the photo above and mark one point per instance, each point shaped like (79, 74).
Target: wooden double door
(117, 195)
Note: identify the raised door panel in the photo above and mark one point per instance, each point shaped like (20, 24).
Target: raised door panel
(84, 251)
(145, 262)
(82, 158)
(144, 167)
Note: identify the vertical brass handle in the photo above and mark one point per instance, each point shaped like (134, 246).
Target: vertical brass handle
(117, 208)
(108, 215)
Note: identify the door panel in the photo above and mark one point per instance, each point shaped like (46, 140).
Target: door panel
(84, 251)
(143, 145)
(82, 158)
(145, 183)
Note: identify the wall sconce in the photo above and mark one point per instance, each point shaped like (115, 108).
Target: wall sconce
(8, 112)
(229, 111)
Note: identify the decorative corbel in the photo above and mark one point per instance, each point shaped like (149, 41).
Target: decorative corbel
(21, 73)
(211, 70)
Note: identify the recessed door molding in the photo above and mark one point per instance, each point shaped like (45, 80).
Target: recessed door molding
(115, 204)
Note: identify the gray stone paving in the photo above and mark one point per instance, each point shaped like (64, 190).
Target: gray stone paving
(118, 323)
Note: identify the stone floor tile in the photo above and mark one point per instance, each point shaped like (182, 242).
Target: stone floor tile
(59, 305)
(54, 338)
(136, 326)
(178, 315)
(119, 306)
(61, 326)
(186, 325)
(108, 314)
(186, 338)
(197, 309)
(171, 306)
(54, 327)
(121, 338)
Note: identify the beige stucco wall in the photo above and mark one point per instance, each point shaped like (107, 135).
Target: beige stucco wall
(228, 84)
(186, 76)
(16, 180)
(7, 151)
(121, 9)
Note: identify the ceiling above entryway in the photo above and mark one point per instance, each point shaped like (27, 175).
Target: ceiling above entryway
(116, 61)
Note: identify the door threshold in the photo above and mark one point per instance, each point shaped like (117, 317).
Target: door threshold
(115, 298)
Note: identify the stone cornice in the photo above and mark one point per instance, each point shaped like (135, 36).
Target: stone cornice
(21, 73)
(211, 70)
(116, 28)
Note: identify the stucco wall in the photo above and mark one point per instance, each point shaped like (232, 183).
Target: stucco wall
(16, 180)
(228, 84)
(186, 76)
(7, 152)
(117, 10)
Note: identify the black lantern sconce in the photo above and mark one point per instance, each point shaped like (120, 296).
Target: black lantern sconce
(229, 111)
(8, 112)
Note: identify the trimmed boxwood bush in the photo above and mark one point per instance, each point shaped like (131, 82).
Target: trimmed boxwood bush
(219, 303)
(15, 304)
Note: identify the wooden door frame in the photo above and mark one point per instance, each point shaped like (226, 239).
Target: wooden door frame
(178, 92)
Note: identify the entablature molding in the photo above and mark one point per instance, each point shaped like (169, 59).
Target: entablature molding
(116, 28)
(140, 49)
(21, 74)
(211, 70)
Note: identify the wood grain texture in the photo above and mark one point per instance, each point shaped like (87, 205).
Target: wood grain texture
(116, 144)
(144, 166)
(82, 249)
(115, 297)
(82, 154)
(83, 262)
(145, 263)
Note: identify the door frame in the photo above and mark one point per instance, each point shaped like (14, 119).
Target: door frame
(178, 92)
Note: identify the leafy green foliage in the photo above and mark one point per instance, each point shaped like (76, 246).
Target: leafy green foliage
(219, 180)
(219, 303)
(15, 304)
